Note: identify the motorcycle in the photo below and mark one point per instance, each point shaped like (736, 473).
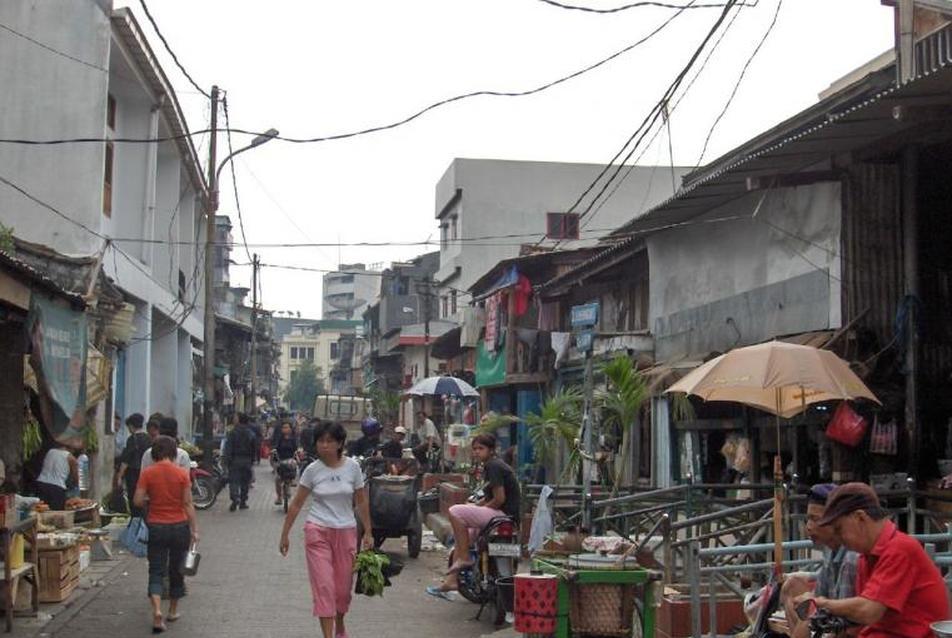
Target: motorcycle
(206, 484)
(495, 554)
(286, 470)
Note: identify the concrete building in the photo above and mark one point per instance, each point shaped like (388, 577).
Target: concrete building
(348, 292)
(528, 201)
(405, 299)
(80, 69)
(317, 342)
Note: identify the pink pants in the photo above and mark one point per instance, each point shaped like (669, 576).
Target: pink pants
(330, 566)
(474, 517)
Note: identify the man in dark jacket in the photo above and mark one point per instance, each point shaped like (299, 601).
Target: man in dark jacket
(130, 462)
(240, 447)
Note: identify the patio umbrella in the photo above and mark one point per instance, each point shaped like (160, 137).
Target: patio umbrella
(439, 386)
(780, 378)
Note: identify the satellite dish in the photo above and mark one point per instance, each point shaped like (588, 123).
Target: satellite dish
(347, 305)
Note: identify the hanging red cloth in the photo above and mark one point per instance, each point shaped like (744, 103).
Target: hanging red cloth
(523, 293)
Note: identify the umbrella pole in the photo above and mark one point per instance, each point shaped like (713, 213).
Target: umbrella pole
(778, 499)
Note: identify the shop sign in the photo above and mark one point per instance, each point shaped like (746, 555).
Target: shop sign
(59, 343)
(585, 315)
(584, 340)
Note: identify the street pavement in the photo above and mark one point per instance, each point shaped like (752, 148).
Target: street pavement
(246, 589)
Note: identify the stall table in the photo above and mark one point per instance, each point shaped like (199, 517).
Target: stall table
(27, 571)
(569, 576)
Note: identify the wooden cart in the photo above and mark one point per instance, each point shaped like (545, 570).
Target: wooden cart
(570, 578)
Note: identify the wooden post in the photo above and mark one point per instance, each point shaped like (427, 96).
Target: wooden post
(910, 255)
(511, 340)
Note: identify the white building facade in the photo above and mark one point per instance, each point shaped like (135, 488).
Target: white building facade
(348, 291)
(137, 205)
(317, 342)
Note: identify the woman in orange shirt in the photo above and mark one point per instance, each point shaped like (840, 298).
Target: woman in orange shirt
(167, 491)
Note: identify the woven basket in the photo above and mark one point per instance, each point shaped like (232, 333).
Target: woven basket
(602, 610)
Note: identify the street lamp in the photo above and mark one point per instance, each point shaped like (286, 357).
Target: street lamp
(214, 170)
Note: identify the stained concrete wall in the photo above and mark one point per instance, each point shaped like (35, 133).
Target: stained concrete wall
(717, 285)
(49, 96)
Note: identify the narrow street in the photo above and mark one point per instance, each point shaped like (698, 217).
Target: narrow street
(245, 589)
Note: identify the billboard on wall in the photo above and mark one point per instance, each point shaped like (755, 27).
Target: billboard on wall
(58, 336)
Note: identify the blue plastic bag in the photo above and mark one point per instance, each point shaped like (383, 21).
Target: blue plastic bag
(136, 537)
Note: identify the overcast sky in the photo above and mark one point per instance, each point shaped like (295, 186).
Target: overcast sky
(317, 68)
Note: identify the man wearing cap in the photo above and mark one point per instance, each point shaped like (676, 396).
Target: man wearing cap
(393, 449)
(836, 579)
(900, 590)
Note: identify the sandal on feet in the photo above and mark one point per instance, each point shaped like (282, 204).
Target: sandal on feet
(438, 592)
(158, 626)
(173, 617)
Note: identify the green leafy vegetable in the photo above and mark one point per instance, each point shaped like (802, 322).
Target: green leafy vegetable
(369, 566)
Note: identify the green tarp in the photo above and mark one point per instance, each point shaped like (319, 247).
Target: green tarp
(490, 366)
(59, 338)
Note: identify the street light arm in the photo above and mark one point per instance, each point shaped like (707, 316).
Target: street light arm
(264, 138)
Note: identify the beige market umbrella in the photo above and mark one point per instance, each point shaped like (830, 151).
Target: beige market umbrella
(780, 378)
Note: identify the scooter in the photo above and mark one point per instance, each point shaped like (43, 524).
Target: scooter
(495, 554)
(206, 484)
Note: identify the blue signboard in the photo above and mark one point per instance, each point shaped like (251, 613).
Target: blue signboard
(585, 315)
(583, 340)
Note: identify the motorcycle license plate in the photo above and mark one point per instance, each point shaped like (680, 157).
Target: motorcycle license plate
(509, 550)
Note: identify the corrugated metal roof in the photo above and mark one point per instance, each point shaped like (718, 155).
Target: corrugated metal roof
(23, 270)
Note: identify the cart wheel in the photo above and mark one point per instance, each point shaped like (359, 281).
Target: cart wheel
(415, 536)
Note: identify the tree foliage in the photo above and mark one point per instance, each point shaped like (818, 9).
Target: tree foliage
(305, 385)
(621, 403)
(557, 422)
(386, 405)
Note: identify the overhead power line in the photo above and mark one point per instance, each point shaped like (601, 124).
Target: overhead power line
(373, 129)
(634, 141)
(737, 84)
(53, 50)
(168, 48)
(234, 181)
(671, 111)
(645, 3)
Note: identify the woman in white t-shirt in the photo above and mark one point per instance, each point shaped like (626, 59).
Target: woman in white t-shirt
(336, 486)
(58, 467)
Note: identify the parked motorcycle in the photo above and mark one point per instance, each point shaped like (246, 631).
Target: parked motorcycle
(206, 484)
(495, 554)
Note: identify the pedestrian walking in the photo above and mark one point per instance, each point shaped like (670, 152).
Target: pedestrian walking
(336, 486)
(167, 426)
(240, 451)
(167, 491)
(138, 444)
(59, 466)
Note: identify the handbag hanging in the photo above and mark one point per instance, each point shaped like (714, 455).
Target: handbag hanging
(846, 426)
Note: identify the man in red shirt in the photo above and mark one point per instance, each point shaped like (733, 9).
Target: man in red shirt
(901, 592)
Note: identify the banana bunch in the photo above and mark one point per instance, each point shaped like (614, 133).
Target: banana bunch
(90, 439)
(32, 439)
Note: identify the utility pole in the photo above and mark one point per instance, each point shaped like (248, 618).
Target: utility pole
(255, 263)
(211, 207)
(426, 329)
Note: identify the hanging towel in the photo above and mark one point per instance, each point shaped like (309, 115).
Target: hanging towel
(560, 344)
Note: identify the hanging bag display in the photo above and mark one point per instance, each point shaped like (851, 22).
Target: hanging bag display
(846, 426)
